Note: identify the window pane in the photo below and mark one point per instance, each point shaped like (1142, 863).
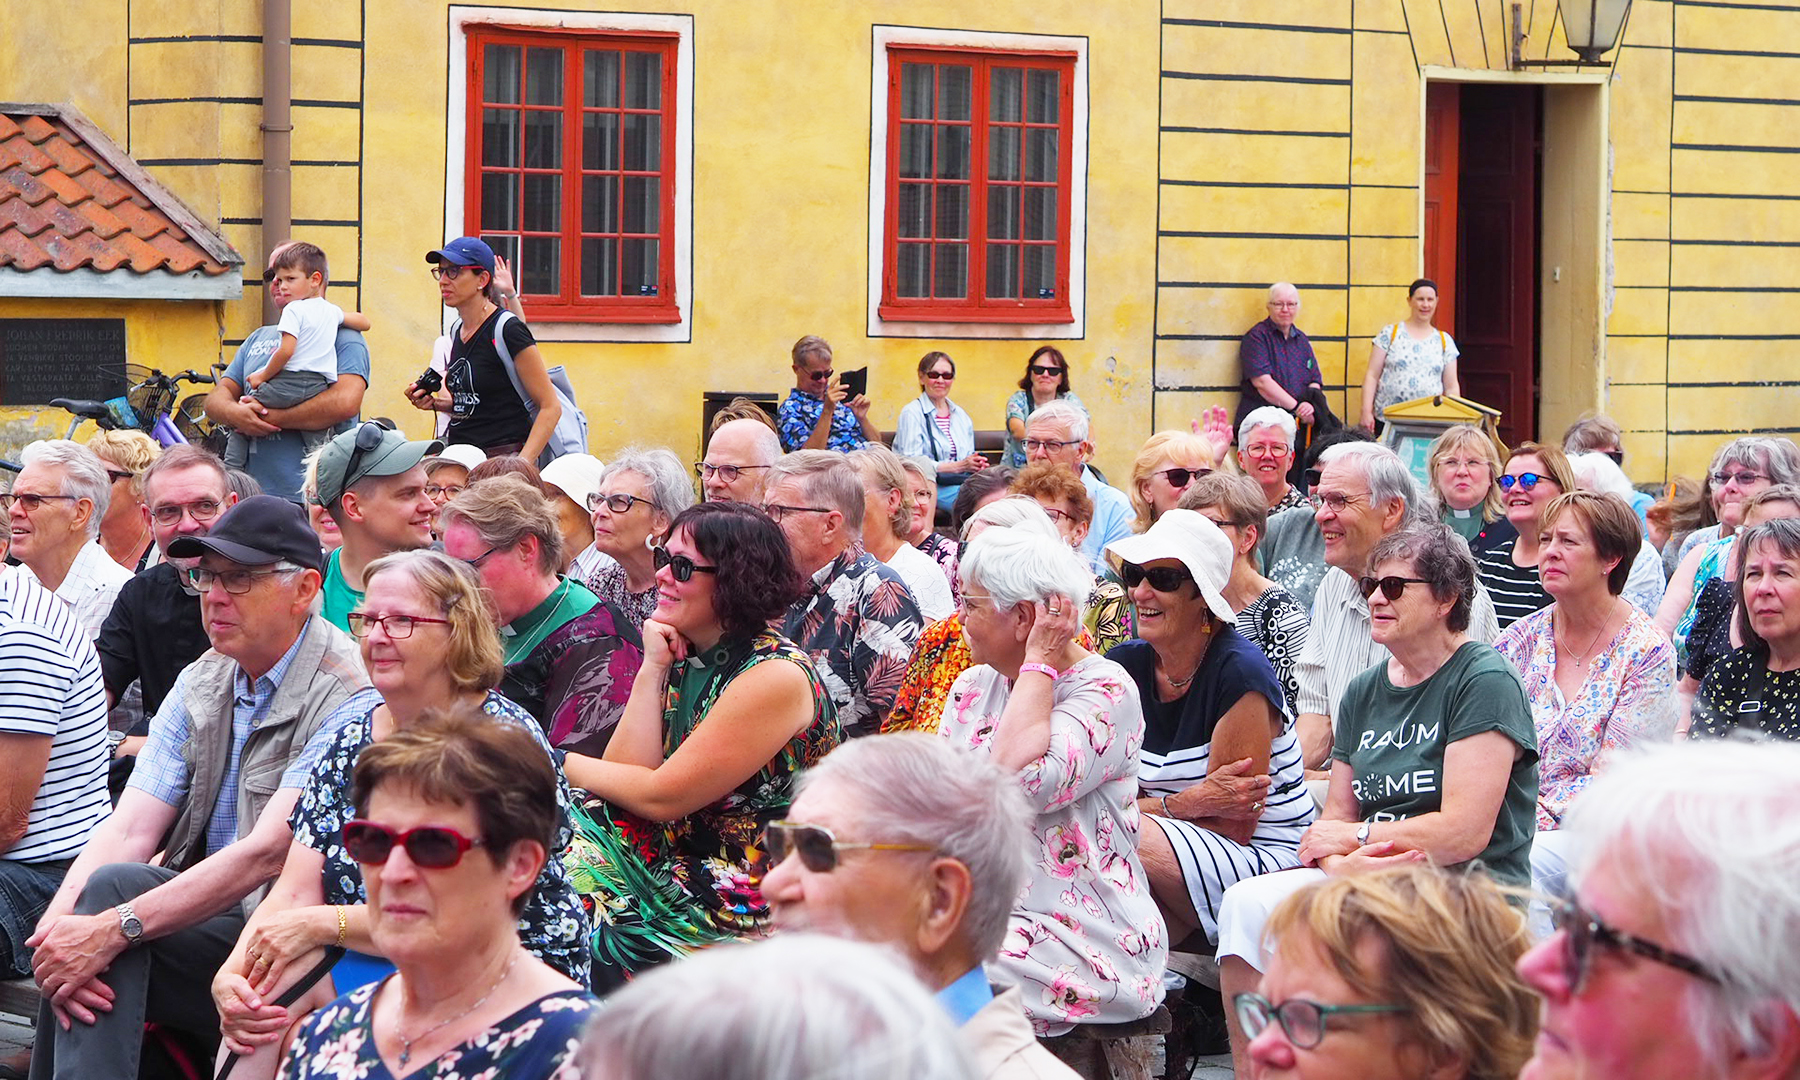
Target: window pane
(957, 83)
(1040, 154)
(1003, 213)
(952, 271)
(1040, 213)
(500, 74)
(915, 150)
(643, 141)
(1040, 271)
(912, 277)
(643, 204)
(505, 247)
(543, 202)
(643, 81)
(1003, 272)
(1005, 89)
(500, 201)
(1042, 101)
(544, 76)
(953, 152)
(599, 268)
(599, 205)
(1003, 153)
(540, 264)
(915, 210)
(638, 275)
(952, 212)
(543, 140)
(600, 80)
(600, 141)
(918, 90)
(500, 137)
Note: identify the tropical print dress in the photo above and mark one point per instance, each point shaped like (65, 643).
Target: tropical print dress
(662, 889)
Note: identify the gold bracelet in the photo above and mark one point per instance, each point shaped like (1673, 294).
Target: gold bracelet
(343, 925)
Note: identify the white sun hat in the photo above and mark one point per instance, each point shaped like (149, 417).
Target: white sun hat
(575, 475)
(458, 454)
(1191, 537)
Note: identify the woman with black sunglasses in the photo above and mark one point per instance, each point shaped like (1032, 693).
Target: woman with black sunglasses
(1046, 379)
(1535, 475)
(723, 713)
(1166, 466)
(935, 427)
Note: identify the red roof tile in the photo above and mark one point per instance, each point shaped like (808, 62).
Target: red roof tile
(70, 199)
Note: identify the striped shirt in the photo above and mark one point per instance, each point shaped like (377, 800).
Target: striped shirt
(1516, 590)
(50, 685)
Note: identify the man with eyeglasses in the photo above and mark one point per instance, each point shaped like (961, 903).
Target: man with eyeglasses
(738, 460)
(371, 481)
(815, 415)
(248, 713)
(278, 447)
(1279, 366)
(54, 512)
(930, 870)
(1059, 432)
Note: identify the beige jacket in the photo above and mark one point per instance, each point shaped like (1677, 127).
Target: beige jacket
(1000, 1039)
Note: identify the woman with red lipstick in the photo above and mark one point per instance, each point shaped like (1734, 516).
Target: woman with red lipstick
(1535, 475)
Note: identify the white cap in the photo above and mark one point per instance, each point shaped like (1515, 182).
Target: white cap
(458, 454)
(1191, 537)
(575, 475)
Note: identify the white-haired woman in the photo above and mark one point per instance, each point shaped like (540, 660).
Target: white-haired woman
(639, 495)
(1265, 453)
(921, 481)
(1645, 585)
(1086, 941)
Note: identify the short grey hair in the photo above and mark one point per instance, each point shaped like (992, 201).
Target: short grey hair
(84, 474)
(1017, 566)
(1268, 416)
(826, 477)
(1778, 455)
(1709, 832)
(1438, 556)
(1387, 476)
(671, 488)
(1014, 512)
(1597, 472)
(794, 1005)
(1065, 412)
(1276, 289)
(915, 788)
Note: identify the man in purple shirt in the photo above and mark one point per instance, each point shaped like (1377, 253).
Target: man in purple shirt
(1279, 366)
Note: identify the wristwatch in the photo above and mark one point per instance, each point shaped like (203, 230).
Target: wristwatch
(129, 924)
(1362, 833)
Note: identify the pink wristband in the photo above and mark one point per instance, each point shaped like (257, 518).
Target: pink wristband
(1042, 669)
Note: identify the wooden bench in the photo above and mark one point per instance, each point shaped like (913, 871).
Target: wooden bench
(19, 997)
(1129, 1051)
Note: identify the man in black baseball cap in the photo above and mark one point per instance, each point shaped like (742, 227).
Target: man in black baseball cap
(372, 483)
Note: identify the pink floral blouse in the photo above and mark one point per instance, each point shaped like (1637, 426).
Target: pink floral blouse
(1629, 696)
(1085, 943)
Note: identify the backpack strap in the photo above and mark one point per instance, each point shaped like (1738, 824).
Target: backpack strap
(506, 358)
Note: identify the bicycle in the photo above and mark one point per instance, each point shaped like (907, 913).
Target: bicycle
(152, 404)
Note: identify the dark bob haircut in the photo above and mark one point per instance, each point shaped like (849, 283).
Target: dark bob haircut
(1054, 353)
(978, 486)
(757, 580)
(1421, 283)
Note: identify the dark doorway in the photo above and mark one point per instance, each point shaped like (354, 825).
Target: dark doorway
(1481, 232)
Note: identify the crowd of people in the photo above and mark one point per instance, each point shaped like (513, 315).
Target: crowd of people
(360, 754)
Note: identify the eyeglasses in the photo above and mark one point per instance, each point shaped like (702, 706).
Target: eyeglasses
(443, 491)
(1471, 464)
(1052, 445)
(368, 437)
(1164, 579)
(1268, 449)
(397, 627)
(778, 511)
(730, 473)
(433, 847)
(29, 501)
(1391, 586)
(115, 475)
(817, 847)
(1526, 480)
(1741, 479)
(449, 271)
(1582, 929)
(1313, 477)
(681, 568)
(268, 275)
(1181, 477)
(1058, 515)
(942, 376)
(1332, 500)
(201, 510)
(235, 582)
(481, 558)
(1618, 456)
(1040, 369)
(618, 504)
(1303, 1022)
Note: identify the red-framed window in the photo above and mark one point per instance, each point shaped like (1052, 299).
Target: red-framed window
(570, 171)
(978, 186)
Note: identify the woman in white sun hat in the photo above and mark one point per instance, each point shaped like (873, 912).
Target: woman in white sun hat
(1221, 785)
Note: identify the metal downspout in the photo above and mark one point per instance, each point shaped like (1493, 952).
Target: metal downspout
(277, 133)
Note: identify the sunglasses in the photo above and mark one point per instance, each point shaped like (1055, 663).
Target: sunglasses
(368, 437)
(1039, 369)
(433, 847)
(681, 568)
(819, 376)
(1582, 930)
(941, 375)
(1303, 1022)
(1742, 479)
(1391, 586)
(30, 501)
(1164, 579)
(1526, 480)
(1313, 477)
(115, 475)
(817, 847)
(1181, 477)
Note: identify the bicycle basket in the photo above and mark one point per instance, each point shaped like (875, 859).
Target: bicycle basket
(191, 420)
(150, 393)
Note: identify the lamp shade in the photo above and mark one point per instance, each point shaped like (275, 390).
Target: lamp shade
(1593, 26)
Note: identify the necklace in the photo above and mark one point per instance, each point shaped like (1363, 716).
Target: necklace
(406, 1044)
(1206, 639)
(134, 550)
(1581, 659)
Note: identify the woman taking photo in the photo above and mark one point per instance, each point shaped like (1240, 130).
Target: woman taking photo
(722, 714)
(486, 410)
(1535, 475)
(1757, 687)
(1464, 465)
(1085, 941)
(455, 820)
(1409, 360)
(1046, 380)
(1222, 785)
(640, 494)
(1168, 464)
(933, 426)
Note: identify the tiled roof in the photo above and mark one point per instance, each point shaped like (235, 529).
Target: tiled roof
(70, 199)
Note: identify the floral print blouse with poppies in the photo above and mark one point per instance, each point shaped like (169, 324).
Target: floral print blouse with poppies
(1085, 943)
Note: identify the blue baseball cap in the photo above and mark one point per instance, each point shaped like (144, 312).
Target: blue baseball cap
(464, 251)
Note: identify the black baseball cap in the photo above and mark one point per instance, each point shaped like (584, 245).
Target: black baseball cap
(262, 529)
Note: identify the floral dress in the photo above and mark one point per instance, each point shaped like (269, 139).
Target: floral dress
(1085, 942)
(1019, 407)
(609, 583)
(1413, 368)
(538, 1042)
(553, 926)
(662, 889)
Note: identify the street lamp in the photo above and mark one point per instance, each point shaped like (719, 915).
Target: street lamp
(1592, 28)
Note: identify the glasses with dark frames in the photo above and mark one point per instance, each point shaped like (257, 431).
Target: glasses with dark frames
(618, 504)
(1164, 579)
(397, 627)
(779, 511)
(449, 271)
(116, 475)
(1582, 930)
(368, 437)
(1181, 477)
(940, 375)
(817, 847)
(1040, 369)
(681, 568)
(1303, 1022)
(1052, 445)
(434, 847)
(1391, 586)
(235, 582)
(730, 473)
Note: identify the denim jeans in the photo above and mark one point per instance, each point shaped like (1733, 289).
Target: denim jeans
(25, 891)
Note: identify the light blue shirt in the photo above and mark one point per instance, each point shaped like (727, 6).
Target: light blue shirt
(916, 433)
(1113, 516)
(966, 996)
(277, 461)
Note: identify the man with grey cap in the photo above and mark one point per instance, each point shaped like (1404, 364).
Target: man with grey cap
(371, 482)
(249, 712)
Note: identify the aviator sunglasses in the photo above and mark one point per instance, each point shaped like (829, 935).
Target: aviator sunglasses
(817, 847)
(433, 847)
(681, 568)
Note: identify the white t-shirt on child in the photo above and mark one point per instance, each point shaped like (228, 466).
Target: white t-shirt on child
(314, 322)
